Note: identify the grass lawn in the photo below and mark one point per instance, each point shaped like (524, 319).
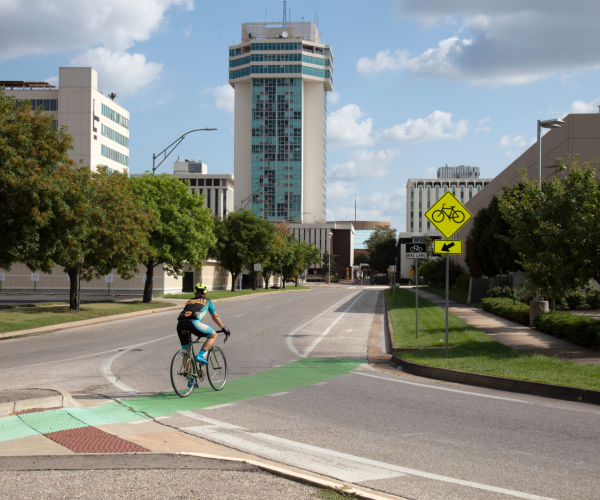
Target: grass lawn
(39, 317)
(37, 304)
(224, 294)
(455, 295)
(474, 351)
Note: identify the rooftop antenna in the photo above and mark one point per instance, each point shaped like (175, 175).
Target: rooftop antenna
(284, 12)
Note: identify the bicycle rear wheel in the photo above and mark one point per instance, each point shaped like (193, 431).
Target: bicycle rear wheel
(217, 368)
(181, 372)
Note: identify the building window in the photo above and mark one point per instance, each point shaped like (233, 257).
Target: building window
(462, 194)
(192, 182)
(200, 182)
(113, 155)
(216, 182)
(217, 202)
(47, 104)
(114, 136)
(114, 116)
(470, 192)
(209, 182)
(224, 202)
(208, 197)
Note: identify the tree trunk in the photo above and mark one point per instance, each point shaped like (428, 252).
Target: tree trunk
(234, 277)
(148, 285)
(553, 302)
(73, 273)
(282, 282)
(267, 278)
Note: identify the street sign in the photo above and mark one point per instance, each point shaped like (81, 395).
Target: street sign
(410, 272)
(445, 247)
(258, 267)
(448, 214)
(35, 276)
(108, 278)
(2, 276)
(392, 269)
(416, 250)
(315, 271)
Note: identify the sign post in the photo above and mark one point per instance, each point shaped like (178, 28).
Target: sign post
(2, 278)
(416, 251)
(109, 279)
(448, 215)
(393, 271)
(35, 277)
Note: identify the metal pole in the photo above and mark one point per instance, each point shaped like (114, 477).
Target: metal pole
(539, 165)
(417, 298)
(152, 287)
(108, 293)
(447, 293)
(79, 288)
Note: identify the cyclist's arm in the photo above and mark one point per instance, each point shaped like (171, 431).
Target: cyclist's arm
(217, 320)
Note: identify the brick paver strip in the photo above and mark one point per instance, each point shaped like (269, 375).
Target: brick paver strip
(93, 440)
(37, 410)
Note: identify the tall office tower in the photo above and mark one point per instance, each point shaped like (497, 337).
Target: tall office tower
(281, 73)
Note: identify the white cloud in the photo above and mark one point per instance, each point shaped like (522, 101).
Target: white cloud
(333, 97)
(514, 144)
(345, 128)
(585, 107)
(187, 32)
(339, 190)
(224, 97)
(438, 125)
(501, 41)
(483, 125)
(52, 80)
(364, 163)
(49, 26)
(119, 72)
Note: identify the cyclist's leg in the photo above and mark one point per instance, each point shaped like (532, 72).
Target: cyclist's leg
(185, 338)
(205, 331)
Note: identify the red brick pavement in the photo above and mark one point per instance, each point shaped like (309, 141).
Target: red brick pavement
(93, 440)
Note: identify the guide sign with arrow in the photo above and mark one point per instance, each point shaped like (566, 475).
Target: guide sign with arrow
(448, 214)
(447, 247)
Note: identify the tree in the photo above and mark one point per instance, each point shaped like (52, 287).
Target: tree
(490, 248)
(279, 253)
(259, 236)
(361, 258)
(182, 231)
(33, 159)
(434, 270)
(555, 229)
(235, 236)
(112, 96)
(334, 264)
(382, 248)
(303, 255)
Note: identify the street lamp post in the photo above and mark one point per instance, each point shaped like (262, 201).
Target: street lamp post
(552, 123)
(173, 145)
(329, 272)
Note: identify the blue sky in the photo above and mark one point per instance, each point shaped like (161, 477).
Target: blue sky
(418, 83)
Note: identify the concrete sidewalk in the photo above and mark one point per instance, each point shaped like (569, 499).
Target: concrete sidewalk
(513, 334)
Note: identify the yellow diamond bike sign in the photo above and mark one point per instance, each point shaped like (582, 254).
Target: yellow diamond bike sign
(447, 247)
(448, 214)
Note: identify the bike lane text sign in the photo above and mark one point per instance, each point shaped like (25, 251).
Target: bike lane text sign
(448, 214)
(416, 250)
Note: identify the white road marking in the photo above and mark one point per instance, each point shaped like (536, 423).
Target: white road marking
(135, 422)
(239, 315)
(331, 463)
(288, 300)
(108, 375)
(97, 353)
(268, 307)
(442, 388)
(216, 407)
(279, 393)
(290, 335)
(162, 418)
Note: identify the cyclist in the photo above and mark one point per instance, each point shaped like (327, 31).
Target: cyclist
(190, 320)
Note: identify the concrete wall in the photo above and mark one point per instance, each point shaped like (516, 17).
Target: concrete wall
(580, 134)
(313, 128)
(243, 142)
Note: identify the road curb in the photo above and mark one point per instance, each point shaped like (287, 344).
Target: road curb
(302, 477)
(489, 381)
(85, 322)
(114, 317)
(63, 399)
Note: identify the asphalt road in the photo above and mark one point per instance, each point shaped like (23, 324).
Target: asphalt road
(405, 436)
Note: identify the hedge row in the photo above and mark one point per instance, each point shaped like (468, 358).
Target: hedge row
(519, 312)
(577, 329)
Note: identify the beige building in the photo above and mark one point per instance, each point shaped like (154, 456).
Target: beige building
(281, 73)
(99, 126)
(579, 135)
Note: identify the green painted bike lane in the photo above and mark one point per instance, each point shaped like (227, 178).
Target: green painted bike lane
(301, 373)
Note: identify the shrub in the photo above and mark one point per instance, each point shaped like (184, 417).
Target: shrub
(519, 313)
(574, 299)
(577, 329)
(434, 271)
(593, 299)
(503, 292)
(462, 282)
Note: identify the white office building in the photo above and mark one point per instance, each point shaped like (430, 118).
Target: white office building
(99, 126)
(216, 188)
(281, 73)
(462, 181)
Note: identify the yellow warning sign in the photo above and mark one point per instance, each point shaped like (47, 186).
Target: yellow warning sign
(448, 214)
(410, 272)
(445, 247)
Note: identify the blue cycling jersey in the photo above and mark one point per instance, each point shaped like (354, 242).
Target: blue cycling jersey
(196, 309)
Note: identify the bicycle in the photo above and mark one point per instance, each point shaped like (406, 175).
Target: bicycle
(449, 212)
(187, 373)
(416, 249)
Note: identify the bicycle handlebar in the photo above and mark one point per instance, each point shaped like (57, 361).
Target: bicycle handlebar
(227, 334)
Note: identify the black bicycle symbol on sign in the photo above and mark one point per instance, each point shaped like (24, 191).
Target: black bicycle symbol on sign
(453, 215)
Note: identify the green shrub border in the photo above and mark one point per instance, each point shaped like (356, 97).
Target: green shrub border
(519, 313)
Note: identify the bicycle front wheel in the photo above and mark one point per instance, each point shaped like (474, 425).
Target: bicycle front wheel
(438, 216)
(217, 368)
(182, 372)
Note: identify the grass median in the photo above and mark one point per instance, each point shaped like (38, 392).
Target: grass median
(455, 295)
(474, 351)
(39, 317)
(225, 294)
